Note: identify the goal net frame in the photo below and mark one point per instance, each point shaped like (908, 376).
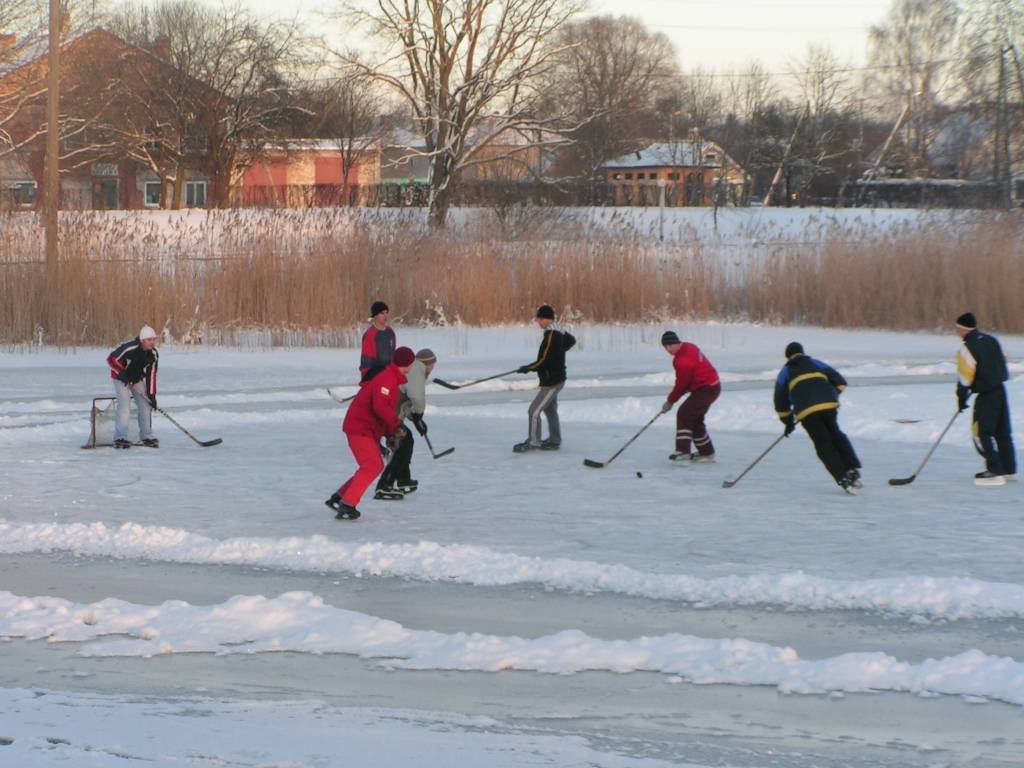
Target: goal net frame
(103, 420)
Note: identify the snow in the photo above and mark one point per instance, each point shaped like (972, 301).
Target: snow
(516, 603)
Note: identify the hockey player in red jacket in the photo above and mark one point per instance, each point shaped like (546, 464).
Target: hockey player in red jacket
(373, 414)
(694, 374)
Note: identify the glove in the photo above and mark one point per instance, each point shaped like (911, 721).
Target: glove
(790, 427)
(962, 396)
(666, 406)
(396, 438)
(152, 401)
(523, 369)
(419, 423)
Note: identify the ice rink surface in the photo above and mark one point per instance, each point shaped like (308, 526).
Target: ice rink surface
(517, 609)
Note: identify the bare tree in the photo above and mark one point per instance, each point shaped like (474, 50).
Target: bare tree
(821, 79)
(469, 72)
(915, 43)
(22, 32)
(748, 93)
(232, 90)
(610, 74)
(348, 114)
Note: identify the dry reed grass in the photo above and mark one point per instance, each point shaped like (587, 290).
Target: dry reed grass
(308, 278)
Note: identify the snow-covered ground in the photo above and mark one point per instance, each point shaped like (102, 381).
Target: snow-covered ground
(194, 606)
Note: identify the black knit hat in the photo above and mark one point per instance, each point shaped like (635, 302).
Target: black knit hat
(794, 348)
(546, 311)
(966, 320)
(377, 307)
(669, 337)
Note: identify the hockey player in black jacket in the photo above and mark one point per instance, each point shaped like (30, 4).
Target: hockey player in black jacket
(807, 391)
(981, 370)
(550, 368)
(133, 366)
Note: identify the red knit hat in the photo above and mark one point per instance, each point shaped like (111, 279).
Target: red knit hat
(404, 356)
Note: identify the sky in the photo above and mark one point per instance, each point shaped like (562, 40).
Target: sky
(725, 34)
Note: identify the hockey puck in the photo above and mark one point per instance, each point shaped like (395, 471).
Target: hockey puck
(640, 474)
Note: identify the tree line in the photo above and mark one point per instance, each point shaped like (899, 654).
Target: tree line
(940, 97)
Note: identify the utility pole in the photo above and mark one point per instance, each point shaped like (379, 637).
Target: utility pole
(51, 176)
(1001, 170)
(785, 157)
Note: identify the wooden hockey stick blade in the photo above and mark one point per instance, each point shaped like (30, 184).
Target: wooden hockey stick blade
(337, 399)
(443, 453)
(445, 384)
(728, 483)
(595, 464)
(211, 443)
(902, 480)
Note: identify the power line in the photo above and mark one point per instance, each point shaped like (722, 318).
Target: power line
(787, 29)
(835, 70)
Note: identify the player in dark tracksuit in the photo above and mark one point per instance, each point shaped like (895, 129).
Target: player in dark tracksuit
(807, 391)
(379, 342)
(981, 371)
(550, 369)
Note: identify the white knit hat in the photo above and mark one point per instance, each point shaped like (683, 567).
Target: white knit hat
(146, 333)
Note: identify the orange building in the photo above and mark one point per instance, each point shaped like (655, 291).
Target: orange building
(690, 172)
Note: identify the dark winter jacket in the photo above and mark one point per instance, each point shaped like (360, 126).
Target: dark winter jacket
(377, 350)
(550, 362)
(806, 386)
(374, 411)
(131, 364)
(980, 365)
(693, 371)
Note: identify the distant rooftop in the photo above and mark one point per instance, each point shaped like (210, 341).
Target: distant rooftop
(691, 154)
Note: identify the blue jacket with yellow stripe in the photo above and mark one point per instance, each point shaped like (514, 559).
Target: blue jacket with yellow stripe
(806, 386)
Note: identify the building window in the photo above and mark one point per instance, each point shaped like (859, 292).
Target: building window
(673, 177)
(22, 194)
(629, 175)
(152, 194)
(616, 175)
(195, 194)
(652, 176)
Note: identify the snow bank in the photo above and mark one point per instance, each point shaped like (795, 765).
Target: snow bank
(950, 598)
(301, 622)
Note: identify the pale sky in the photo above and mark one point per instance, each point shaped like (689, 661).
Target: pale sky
(719, 34)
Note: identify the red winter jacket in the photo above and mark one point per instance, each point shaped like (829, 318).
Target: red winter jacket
(693, 371)
(374, 411)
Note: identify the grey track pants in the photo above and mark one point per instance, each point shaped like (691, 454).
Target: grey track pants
(546, 402)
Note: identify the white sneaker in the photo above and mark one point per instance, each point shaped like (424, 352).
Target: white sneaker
(684, 459)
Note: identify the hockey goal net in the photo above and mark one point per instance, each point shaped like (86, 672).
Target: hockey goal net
(103, 420)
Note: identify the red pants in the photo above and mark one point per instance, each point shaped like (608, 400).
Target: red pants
(690, 421)
(366, 451)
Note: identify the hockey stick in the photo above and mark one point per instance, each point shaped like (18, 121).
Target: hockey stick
(438, 455)
(909, 480)
(447, 385)
(731, 483)
(196, 440)
(602, 464)
(340, 399)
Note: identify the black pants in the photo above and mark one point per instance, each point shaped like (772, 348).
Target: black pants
(831, 444)
(991, 429)
(398, 469)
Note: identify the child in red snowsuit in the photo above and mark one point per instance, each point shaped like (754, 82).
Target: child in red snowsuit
(694, 374)
(372, 415)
